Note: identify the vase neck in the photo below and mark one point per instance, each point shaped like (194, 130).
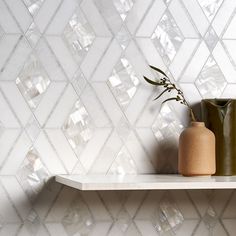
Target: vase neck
(197, 124)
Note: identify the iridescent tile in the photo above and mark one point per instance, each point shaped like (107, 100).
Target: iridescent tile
(167, 217)
(1, 32)
(33, 81)
(211, 39)
(123, 7)
(167, 124)
(78, 35)
(2, 128)
(210, 218)
(167, 2)
(123, 164)
(78, 127)
(32, 223)
(210, 7)
(123, 37)
(123, 220)
(211, 81)
(32, 174)
(33, 5)
(32, 128)
(78, 219)
(79, 82)
(123, 82)
(167, 37)
(33, 35)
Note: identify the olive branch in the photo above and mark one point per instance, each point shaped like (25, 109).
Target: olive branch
(168, 86)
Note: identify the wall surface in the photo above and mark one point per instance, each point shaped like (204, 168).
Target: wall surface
(73, 100)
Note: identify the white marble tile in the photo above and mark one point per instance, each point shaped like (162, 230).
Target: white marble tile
(84, 124)
(21, 13)
(62, 109)
(7, 21)
(136, 14)
(223, 16)
(97, 49)
(224, 62)
(45, 13)
(8, 118)
(17, 101)
(196, 13)
(108, 61)
(180, 15)
(61, 17)
(21, 202)
(48, 155)
(95, 19)
(16, 61)
(184, 54)
(151, 19)
(7, 140)
(9, 229)
(8, 212)
(7, 44)
(63, 55)
(17, 155)
(49, 101)
(49, 62)
(63, 148)
(196, 63)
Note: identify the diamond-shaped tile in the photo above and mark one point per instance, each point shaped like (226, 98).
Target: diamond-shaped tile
(167, 124)
(78, 219)
(123, 163)
(79, 82)
(78, 127)
(123, 7)
(2, 128)
(167, 37)
(78, 35)
(123, 37)
(123, 82)
(32, 128)
(210, 218)
(33, 81)
(1, 32)
(167, 217)
(33, 35)
(32, 223)
(210, 8)
(123, 220)
(33, 5)
(211, 39)
(211, 81)
(32, 174)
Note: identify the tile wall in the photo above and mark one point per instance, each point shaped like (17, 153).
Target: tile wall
(73, 100)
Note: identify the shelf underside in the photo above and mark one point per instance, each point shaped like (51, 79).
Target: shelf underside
(146, 182)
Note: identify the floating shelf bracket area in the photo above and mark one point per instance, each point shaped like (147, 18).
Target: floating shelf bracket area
(145, 182)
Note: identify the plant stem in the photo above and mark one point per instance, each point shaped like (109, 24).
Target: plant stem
(180, 97)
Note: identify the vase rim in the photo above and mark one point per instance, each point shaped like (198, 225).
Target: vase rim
(197, 124)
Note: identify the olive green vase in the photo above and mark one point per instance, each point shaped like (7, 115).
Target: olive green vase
(219, 116)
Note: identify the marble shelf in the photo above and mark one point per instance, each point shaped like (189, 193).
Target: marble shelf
(145, 182)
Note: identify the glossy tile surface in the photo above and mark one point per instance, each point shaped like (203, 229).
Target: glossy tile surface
(73, 101)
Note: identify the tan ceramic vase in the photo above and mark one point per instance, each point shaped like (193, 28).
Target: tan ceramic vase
(197, 151)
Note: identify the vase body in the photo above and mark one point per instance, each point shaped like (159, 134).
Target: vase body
(196, 151)
(219, 116)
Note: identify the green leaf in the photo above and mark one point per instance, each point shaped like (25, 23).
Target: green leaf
(169, 99)
(158, 70)
(161, 94)
(152, 82)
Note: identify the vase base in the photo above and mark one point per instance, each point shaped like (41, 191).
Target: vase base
(197, 175)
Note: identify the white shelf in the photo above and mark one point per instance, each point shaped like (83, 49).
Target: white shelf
(145, 182)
